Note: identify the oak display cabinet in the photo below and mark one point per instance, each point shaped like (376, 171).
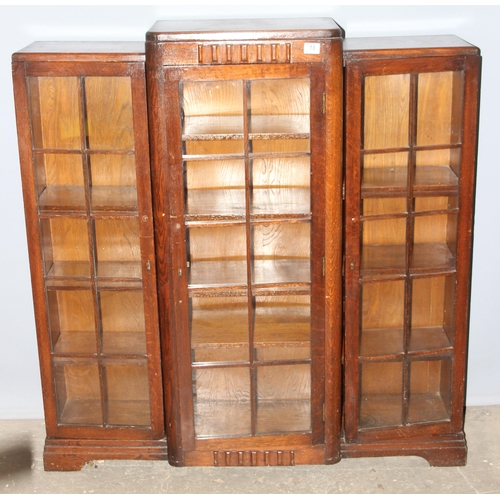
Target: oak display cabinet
(262, 259)
(246, 133)
(82, 125)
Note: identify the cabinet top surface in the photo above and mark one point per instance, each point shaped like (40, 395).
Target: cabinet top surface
(243, 29)
(406, 46)
(82, 51)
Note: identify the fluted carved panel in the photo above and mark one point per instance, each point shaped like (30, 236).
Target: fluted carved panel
(254, 458)
(244, 53)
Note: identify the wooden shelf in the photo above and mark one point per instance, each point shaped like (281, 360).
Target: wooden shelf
(390, 259)
(233, 273)
(270, 272)
(230, 419)
(62, 199)
(229, 204)
(381, 342)
(117, 343)
(76, 343)
(393, 181)
(120, 270)
(387, 343)
(220, 329)
(67, 269)
(114, 199)
(426, 408)
(202, 128)
(429, 339)
(104, 199)
(81, 412)
(380, 411)
(218, 274)
(129, 412)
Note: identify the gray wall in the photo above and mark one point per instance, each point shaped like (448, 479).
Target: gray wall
(20, 394)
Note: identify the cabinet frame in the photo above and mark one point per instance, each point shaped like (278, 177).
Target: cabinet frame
(441, 443)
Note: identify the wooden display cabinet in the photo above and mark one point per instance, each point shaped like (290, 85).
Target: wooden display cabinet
(246, 143)
(253, 127)
(411, 122)
(83, 141)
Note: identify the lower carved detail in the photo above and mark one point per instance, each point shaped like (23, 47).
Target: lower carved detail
(254, 458)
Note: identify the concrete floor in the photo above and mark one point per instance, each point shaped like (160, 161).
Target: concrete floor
(21, 470)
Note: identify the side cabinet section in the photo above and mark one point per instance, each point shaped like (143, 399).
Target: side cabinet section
(82, 125)
(411, 120)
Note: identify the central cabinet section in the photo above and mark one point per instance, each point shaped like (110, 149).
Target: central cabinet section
(243, 227)
(240, 167)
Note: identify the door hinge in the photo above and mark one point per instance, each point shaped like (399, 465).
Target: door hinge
(324, 103)
(324, 412)
(323, 267)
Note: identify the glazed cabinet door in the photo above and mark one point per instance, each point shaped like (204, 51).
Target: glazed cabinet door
(409, 177)
(85, 161)
(244, 201)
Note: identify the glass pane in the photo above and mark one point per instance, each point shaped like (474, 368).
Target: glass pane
(283, 399)
(386, 111)
(127, 392)
(281, 187)
(432, 313)
(217, 256)
(435, 203)
(222, 402)
(384, 206)
(382, 322)
(279, 108)
(60, 183)
(72, 321)
(280, 146)
(212, 110)
(435, 242)
(384, 174)
(219, 328)
(65, 247)
(282, 327)
(215, 190)
(381, 395)
(384, 246)
(55, 112)
(281, 253)
(109, 112)
(118, 248)
(430, 391)
(113, 182)
(122, 322)
(78, 392)
(437, 171)
(439, 114)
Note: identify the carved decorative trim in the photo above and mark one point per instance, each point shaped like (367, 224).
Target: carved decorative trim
(244, 53)
(254, 458)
